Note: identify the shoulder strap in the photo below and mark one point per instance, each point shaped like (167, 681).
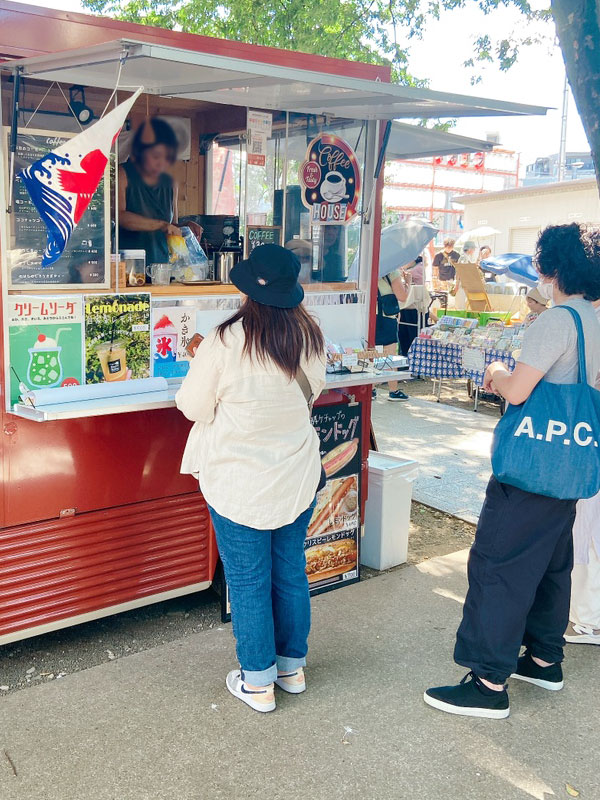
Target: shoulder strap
(304, 385)
(387, 285)
(582, 377)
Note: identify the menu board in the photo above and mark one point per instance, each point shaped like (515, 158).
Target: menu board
(262, 234)
(86, 259)
(333, 538)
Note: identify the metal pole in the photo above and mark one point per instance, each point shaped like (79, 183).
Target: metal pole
(244, 219)
(14, 128)
(562, 153)
(284, 180)
(116, 201)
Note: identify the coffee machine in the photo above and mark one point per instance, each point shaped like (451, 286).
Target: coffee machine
(221, 241)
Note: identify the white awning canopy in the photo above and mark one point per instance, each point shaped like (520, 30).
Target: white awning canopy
(414, 141)
(173, 72)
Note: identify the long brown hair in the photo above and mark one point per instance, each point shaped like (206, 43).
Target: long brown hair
(283, 335)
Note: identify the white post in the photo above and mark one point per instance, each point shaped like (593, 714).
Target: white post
(562, 153)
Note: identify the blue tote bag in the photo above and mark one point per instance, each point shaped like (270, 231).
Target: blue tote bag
(550, 444)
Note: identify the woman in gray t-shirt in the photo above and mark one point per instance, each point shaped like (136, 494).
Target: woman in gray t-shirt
(520, 563)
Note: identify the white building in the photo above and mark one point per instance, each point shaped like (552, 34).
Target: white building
(520, 214)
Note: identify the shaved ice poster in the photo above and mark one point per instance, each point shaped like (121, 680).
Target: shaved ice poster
(45, 340)
(172, 329)
(85, 260)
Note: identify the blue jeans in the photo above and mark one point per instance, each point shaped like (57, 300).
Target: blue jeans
(268, 591)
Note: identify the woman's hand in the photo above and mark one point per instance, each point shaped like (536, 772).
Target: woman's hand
(488, 378)
(171, 230)
(196, 229)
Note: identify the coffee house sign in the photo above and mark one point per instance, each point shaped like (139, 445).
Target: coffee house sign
(330, 180)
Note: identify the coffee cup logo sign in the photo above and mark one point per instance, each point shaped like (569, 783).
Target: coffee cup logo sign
(330, 180)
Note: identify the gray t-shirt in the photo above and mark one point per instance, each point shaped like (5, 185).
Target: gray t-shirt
(550, 343)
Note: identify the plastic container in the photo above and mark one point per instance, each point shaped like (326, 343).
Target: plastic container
(189, 260)
(135, 267)
(195, 251)
(387, 512)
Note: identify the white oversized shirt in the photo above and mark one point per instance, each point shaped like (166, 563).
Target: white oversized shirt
(252, 448)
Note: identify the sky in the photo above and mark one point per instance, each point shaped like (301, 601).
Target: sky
(537, 78)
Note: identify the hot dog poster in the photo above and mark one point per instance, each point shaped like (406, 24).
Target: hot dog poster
(333, 537)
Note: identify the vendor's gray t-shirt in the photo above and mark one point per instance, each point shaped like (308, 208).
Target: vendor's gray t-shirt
(550, 343)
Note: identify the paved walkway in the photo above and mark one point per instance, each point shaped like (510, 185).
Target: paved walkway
(159, 725)
(451, 445)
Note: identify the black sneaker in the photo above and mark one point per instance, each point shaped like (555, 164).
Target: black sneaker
(546, 677)
(471, 698)
(397, 395)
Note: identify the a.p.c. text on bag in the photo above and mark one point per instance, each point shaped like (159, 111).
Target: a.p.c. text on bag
(550, 444)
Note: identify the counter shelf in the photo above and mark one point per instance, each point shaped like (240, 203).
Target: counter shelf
(151, 401)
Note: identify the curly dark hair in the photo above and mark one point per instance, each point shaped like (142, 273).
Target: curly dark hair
(571, 255)
(163, 134)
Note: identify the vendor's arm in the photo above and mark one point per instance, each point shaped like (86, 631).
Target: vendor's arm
(197, 397)
(136, 222)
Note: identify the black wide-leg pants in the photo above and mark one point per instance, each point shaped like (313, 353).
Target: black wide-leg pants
(519, 582)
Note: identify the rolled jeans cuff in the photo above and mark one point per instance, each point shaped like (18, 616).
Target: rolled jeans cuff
(263, 677)
(285, 664)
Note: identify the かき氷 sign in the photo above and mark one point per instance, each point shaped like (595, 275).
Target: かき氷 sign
(330, 180)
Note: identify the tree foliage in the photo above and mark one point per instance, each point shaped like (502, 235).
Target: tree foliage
(373, 31)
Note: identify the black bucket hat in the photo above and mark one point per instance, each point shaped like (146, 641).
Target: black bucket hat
(270, 276)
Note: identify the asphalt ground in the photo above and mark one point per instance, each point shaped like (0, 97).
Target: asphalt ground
(160, 724)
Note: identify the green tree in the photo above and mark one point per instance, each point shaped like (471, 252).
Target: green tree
(361, 30)
(380, 31)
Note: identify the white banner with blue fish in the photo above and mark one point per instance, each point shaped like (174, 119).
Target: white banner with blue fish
(62, 183)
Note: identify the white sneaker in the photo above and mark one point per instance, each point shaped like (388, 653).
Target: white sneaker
(582, 634)
(259, 699)
(292, 682)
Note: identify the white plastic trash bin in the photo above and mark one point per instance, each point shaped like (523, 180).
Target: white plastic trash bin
(387, 513)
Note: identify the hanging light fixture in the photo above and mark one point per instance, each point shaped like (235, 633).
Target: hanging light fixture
(81, 111)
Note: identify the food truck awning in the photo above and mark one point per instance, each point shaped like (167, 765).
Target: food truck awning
(414, 141)
(174, 72)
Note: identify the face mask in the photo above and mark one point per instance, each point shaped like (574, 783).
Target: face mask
(546, 290)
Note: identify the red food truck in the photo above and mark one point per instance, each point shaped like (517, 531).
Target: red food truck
(272, 146)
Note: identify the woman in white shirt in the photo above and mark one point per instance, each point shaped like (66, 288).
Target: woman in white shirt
(584, 616)
(256, 456)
